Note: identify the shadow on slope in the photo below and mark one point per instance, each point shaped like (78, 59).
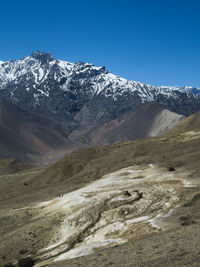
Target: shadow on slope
(85, 165)
(9, 166)
(88, 164)
(150, 119)
(30, 137)
(171, 150)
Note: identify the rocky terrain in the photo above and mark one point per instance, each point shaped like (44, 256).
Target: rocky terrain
(40, 140)
(134, 203)
(82, 91)
(83, 104)
(9, 165)
(30, 137)
(129, 197)
(150, 119)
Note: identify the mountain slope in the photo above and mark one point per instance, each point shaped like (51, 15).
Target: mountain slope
(160, 176)
(82, 92)
(170, 149)
(150, 119)
(30, 137)
(94, 106)
(192, 123)
(8, 166)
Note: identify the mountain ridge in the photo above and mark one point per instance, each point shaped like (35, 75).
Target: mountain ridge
(30, 137)
(150, 119)
(89, 101)
(65, 90)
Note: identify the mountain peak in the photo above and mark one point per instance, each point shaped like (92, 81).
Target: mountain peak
(61, 89)
(44, 57)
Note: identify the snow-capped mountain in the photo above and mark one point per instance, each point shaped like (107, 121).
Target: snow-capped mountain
(82, 91)
(191, 89)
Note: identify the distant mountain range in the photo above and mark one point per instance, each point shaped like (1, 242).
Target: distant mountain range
(63, 90)
(91, 105)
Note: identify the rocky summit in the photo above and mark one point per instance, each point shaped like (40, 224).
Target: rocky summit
(138, 198)
(82, 92)
(91, 106)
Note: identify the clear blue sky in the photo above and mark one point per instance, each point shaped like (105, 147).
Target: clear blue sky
(153, 41)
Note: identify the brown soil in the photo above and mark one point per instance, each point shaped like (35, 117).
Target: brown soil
(176, 247)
